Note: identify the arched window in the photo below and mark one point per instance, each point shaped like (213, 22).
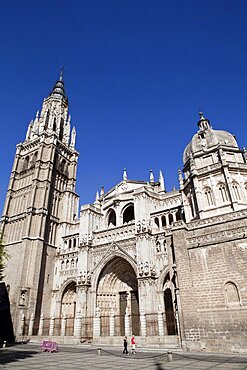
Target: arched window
(178, 215)
(74, 243)
(235, 188)
(63, 164)
(61, 130)
(157, 222)
(209, 196)
(54, 124)
(26, 163)
(70, 243)
(232, 294)
(47, 119)
(33, 160)
(129, 214)
(163, 221)
(223, 192)
(112, 218)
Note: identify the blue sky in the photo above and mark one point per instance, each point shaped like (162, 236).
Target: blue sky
(136, 73)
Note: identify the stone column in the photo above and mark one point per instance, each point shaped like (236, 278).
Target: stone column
(112, 324)
(143, 323)
(63, 325)
(77, 325)
(83, 285)
(127, 322)
(21, 327)
(30, 328)
(174, 216)
(96, 323)
(51, 328)
(160, 323)
(41, 325)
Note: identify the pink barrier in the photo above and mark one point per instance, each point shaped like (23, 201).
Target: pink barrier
(49, 346)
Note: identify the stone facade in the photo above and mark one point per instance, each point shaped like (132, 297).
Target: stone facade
(169, 267)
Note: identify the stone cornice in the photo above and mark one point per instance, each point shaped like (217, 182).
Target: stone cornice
(197, 224)
(217, 237)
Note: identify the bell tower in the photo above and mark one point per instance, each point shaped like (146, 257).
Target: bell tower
(41, 195)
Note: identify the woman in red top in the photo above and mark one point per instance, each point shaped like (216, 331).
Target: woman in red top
(133, 344)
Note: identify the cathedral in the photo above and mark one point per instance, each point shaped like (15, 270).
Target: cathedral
(166, 266)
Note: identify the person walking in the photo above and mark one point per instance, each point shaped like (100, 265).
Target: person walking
(125, 343)
(133, 344)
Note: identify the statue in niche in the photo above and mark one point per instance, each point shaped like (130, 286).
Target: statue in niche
(138, 226)
(152, 270)
(143, 225)
(97, 312)
(158, 247)
(146, 268)
(127, 311)
(23, 298)
(141, 268)
(88, 277)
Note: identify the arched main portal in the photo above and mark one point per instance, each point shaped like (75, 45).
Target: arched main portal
(117, 291)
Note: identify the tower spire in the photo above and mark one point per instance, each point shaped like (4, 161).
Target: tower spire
(161, 181)
(61, 73)
(151, 177)
(125, 176)
(58, 89)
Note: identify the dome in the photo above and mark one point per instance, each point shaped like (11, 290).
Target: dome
(206, 138)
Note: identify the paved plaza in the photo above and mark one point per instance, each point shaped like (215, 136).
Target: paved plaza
(29, 356)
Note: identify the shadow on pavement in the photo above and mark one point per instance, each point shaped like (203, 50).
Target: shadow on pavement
(8, 355)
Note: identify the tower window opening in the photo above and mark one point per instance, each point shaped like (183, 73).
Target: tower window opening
(26, 163)
(157, 222)
(54, 124)
(61, 130)
(178, 215)
(170, 219)
(235, 189)
(47, 119)
(63, 165)
(163, 221)
(223, 193)
(209, 196)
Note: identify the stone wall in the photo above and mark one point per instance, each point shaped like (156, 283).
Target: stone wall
(212, 280)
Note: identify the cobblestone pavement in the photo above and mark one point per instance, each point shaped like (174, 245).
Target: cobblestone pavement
(28, 356)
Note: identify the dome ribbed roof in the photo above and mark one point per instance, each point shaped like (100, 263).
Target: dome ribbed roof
(206, 138)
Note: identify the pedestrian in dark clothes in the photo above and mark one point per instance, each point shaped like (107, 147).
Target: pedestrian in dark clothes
(125, 343)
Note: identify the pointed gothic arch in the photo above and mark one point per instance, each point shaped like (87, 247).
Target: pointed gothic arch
(169, 302)
(116, 291)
